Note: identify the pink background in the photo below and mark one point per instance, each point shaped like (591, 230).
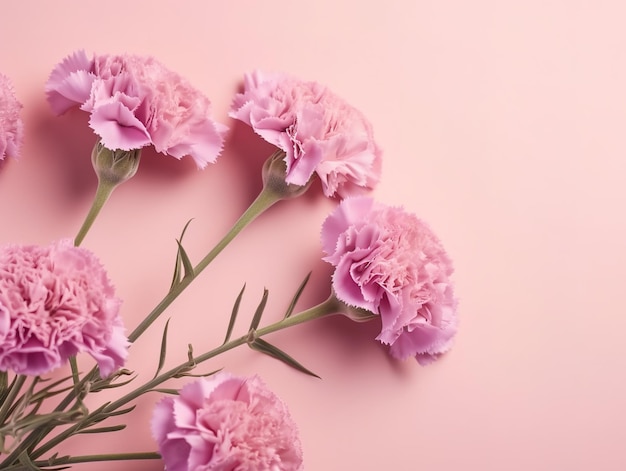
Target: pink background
(502, 125)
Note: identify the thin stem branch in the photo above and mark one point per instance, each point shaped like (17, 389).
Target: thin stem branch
(330, 306)
(104, 190)
(264, 201)
(15, 387)
(148, 455)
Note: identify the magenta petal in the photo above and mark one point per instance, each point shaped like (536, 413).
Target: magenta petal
(72, 63)
(391, 260)
(59, 302)
(203, 144)
(349, 212)
(72, 91)
(423, 343)
(225, 423)
(114, 355)
(118, 127)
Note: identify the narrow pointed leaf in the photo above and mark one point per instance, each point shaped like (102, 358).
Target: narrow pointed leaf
(177, 264)
(121, 411)
(112, 428)
(199, 375)
(173, 392)
(259, 311)
(233, 315)
(263, 346)
(292, 305)
(187, 265)
(163, 349)
(108, 385)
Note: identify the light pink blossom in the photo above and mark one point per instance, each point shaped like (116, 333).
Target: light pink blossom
(389, 262)
(55, 302)
(135, 101)
(226, 423)
(11, 126)
(318, 131)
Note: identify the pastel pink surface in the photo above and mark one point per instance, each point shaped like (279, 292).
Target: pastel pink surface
(502, 126)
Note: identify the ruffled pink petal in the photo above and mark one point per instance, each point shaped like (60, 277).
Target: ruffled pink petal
(426, 343)
(389, 262)
(135, 101)
(114, 354)
(225, 423)
(203, 144)
(118, 127)
(74, 62)
(350, 211)
(74, 90)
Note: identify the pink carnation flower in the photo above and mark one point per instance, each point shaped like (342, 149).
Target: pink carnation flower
(226, 423)
(135, 101)
(319, 132)
(389, 262)
(55, 302)
(11, 127)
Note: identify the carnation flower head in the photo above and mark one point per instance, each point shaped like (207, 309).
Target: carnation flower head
(135, 101)
(11, 126)
(55, 302)
(390, 263)
(318, 131)
(226, 423)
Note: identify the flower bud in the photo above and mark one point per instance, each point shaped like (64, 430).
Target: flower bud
(114, 166)
(274, 174)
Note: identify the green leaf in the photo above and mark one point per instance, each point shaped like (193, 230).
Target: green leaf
(112, 428)
(121, 411)
(233, 315)
(31, 422)
(263, 346)
(186, 262)
(259, 311)
(177, 264)
(173, 392)
(100, 386)
(197, 375)
(163, 349)
(48, 392)
(292, 305)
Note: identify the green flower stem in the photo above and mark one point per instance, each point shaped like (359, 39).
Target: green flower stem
(37, 435)
(330, 306)
(104, 190)
(149, 455)
(14, 389)
(74, 368)
(264, 201)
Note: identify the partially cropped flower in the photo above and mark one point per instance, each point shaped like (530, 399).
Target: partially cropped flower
(135, 101)
(11, 127)
(55, 302)
(390, 263)
(319, 132)
(226, 423)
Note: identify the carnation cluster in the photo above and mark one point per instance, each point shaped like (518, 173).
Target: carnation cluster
(226, 422)
(318, 131)
(135, 101)
(389, 262)
(57, 301)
